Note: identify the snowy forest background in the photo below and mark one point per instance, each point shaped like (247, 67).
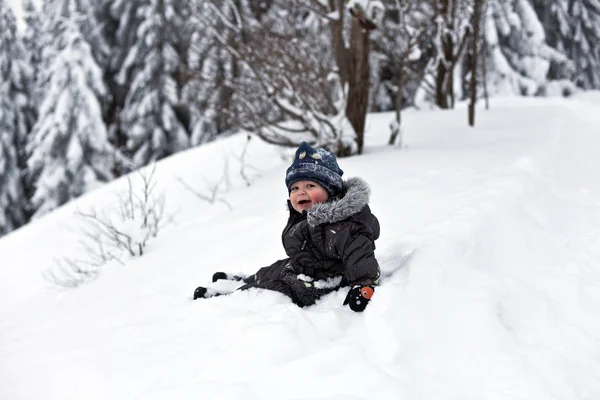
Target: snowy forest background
(91, 90)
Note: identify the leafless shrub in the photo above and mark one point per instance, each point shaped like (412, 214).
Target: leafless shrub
(71, 273)
(213, 190)
(243, 164)
(211, 195)
(110, 234)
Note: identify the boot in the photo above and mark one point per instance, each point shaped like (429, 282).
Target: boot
(222, 275)
(203, 293)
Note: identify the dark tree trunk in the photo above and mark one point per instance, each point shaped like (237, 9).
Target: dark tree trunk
(227, 73)
(337, 38)
(452, 47)
(400, 83)
(358, 81)
(444, 80)
(474, 59)
(443, 67)
(484, 73)
(440, 93)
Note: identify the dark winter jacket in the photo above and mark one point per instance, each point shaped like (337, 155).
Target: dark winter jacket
(336, 238)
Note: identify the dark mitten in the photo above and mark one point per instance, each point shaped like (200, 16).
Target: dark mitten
(358, 297)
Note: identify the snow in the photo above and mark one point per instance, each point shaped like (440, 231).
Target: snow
(370, 7)
(496, 231)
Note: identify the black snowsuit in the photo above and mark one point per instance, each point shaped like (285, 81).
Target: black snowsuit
(336, 238)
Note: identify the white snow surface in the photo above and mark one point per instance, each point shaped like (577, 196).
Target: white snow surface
(496, 231)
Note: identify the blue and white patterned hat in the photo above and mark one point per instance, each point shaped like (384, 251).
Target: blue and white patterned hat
(316, 165)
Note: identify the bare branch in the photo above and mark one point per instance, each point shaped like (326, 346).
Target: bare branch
(283, 79)
(211, 199)
(139, 217)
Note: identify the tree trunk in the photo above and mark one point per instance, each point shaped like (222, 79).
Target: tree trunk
(338, 44)
(475, 53)
(227, 72)
(443, 70)
(358, 81)
(450, 87)
(484, 72)
(440, 98)
(444, 86)
(396, 129)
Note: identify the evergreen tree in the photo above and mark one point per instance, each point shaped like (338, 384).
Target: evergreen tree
(573, 28)
(70, 152)
(152, 116)
(33, 41)
(554, 16)
(558, 27)
(585, 47)
(518, 57)
(13, 127)
(86, 13)
(119, 27)
(210, 89)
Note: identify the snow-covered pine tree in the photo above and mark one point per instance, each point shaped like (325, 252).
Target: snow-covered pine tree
(554, 16)
(33, 41)
(517, 55)
(70, 152)
(206, 122)
(13, 125)
(149, 118)
(32, 37)
(87, 14)
(214, 71)
(573, 28)
(119, 24)
(585, 42)
(10, 193)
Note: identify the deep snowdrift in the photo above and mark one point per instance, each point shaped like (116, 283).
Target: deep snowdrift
(497, 230)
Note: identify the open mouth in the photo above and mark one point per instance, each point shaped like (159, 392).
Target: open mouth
(302, 202)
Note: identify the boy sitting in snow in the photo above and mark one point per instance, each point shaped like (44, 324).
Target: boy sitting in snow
(330, 233)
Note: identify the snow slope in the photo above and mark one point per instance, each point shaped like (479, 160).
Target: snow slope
(497, 230)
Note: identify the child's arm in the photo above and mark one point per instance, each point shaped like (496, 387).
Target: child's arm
(357, 251)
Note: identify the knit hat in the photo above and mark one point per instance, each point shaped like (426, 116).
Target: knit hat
(316, 165)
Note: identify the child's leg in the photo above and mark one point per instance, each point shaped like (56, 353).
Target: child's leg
(217, 276)
(282, 277)
(270, 273)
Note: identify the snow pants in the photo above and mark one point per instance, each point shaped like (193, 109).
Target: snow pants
(282, 276)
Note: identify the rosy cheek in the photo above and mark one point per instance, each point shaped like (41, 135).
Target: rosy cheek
(320, 198)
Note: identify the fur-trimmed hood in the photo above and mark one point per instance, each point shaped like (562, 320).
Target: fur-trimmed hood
(355, 198)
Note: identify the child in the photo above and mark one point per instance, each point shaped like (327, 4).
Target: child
(330, 233)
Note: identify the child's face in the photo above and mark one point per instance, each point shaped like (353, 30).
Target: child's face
(305, 194)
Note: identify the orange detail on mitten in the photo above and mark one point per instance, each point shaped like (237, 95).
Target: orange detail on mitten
(366, 292)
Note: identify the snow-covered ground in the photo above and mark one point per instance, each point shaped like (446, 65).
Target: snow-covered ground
(497, 230)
